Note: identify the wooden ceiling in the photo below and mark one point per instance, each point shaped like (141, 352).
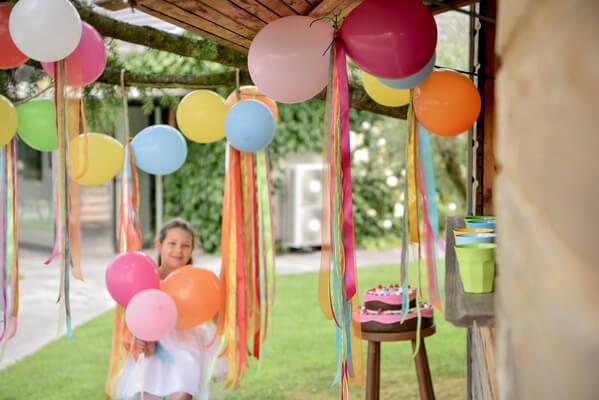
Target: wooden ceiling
(234, 23)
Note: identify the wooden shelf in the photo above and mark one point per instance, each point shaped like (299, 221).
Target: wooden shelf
(462, 309)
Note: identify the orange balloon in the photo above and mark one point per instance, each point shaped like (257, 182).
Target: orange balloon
(197, 292)
(252, 92)
(446, 103)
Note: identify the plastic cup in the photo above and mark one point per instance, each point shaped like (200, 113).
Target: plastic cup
(480, 223)
(467, 238)
(477, 266)
(480, 218)
(460, 231)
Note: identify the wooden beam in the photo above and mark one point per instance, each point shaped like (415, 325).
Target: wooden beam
(112, 5)
(204, 50)
(331, 7)
(209, 28)
(437, 9)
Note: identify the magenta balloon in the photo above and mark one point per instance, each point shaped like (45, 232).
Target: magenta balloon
(151, 314)
(390, 39)
(287, 59)
(130, 273)
(87, 62)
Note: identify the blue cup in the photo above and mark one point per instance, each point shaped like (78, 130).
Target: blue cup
(469, 238)
(485, 224)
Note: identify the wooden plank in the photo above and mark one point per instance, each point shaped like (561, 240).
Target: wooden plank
(256, 9)
(191, 28)
(301, 7)
(239, 14)
(436, 9)
(173, 11)
(216, 17)
(279, 7)
(331, 7)
(487, 88)
(112, 5)
(462, 309)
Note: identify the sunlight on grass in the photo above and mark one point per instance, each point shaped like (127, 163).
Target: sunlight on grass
(299, 362)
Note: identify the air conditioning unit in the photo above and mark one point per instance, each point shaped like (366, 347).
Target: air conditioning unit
(300, 206)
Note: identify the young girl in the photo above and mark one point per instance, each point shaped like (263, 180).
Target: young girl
(177, 365)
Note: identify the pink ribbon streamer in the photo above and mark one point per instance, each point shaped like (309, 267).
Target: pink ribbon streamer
(429, 247)
(348, 213)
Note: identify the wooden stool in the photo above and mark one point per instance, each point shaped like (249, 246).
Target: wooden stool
(373, 369)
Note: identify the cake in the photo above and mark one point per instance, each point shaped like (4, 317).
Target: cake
(388, 321)
(387, 297)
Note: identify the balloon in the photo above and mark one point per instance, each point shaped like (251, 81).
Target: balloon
(151, 314)
(8, 121)
(382, 94)
(197, 292)
(37, 124)
(130, 273)
(411, 81)
(94, 158)
(11, 55)
(201, 116)
(447, 103)
(45, 30)
(287, 59)
(252, 92)
(250, 126)
(87, 62)
(390, 39)
(159, 149)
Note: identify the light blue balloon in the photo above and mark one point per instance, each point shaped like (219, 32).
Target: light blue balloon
(467, 238)
(159, 149)
(250, 126)
(411, 81)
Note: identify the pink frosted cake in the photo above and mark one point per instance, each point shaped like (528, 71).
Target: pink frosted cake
(390, 320)
(387, 297)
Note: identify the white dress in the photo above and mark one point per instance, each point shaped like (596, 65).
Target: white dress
(180, 364)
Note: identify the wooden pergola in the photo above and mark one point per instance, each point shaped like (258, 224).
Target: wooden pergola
(234, 23)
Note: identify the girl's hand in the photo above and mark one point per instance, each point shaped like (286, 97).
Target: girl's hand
(150, 348)
(140, 346)
(147, 348)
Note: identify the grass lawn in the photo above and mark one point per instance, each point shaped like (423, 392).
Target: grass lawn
(299, 364)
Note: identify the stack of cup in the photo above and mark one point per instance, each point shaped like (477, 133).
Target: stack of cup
(475, 251)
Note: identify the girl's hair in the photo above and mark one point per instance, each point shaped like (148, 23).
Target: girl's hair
(172, 224)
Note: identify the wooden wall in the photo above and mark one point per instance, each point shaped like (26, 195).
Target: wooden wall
(547, 199)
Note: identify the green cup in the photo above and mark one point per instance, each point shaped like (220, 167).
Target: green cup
(477, 266)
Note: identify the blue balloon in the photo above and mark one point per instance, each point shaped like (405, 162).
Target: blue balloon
(411, 81)
(159, 149)
(250, 126)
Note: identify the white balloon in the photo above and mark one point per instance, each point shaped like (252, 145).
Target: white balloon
(45, 30)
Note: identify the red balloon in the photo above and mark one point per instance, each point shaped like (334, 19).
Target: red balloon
(390, 39)
(11, 56)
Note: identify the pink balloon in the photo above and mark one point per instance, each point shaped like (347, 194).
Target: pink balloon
(151, 314)
(390, 39)
(130, 273)
(87, 62)
(287, 59)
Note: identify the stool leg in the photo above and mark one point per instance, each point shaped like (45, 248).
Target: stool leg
(425, 383)
(373, 371)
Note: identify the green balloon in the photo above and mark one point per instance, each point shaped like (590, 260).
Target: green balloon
(37, 124)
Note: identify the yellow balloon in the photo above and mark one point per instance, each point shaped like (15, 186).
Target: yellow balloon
(8, 121)
(201, 116)
(95, 158)
(383, 94)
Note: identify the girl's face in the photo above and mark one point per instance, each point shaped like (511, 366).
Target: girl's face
(175, 249)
